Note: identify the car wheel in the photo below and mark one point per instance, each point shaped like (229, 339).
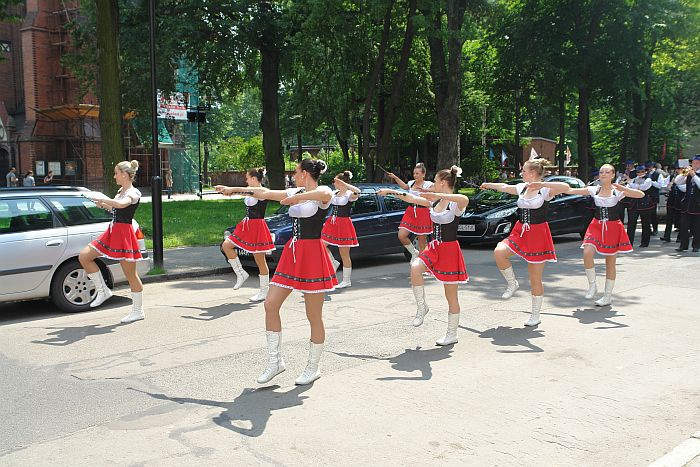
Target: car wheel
(71, 289)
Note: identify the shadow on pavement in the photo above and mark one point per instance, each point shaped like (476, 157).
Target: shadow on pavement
(410, 361)
(216, 312)
(602, 315)
(507, 336)
(70, 335)
(252, 405)
(25, 312)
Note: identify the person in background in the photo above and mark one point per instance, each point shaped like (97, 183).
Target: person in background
(29, 179)
(11, 178)
(49, 178)
(690, 210)
(169, 182)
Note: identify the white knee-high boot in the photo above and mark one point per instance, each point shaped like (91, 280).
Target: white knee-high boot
(241, 275)
(312, 372)
(452, 325)
(412, 249)
(606, 299)
(275, 362)
(509, 276)
(136, 308)
(264, 288)
(421, 305)
(347, 272)
(535, 314)
(101, 289)
(592, 286)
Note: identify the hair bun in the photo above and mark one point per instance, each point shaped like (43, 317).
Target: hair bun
(457, 171)
(349, 174)
(322, 166)
(135, 164)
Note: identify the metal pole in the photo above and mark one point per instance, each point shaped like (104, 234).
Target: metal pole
(199, 154)
(156, 182)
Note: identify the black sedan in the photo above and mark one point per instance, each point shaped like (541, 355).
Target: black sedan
(376, 220)
(491, 215)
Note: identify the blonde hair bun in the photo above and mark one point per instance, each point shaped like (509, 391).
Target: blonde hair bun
(135, 164)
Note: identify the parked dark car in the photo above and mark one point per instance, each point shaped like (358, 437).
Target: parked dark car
(491, 215)
(376, 220)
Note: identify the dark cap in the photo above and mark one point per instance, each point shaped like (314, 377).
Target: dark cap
(629, 162)
(648, 164)
(697, 157)
(640, 168)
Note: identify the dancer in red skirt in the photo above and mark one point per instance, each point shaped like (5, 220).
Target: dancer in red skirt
(443, 256)
(304, 266)
(416, 219)
(606, 234)
(338, 229)
(251, 234)
(118, 242)
(530, 238)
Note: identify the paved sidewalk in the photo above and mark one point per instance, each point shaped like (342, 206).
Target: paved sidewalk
(192, 261)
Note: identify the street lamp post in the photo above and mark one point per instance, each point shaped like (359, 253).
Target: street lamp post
(156, 181)
(199, 115)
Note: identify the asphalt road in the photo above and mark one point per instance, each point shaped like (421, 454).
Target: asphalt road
(616, 385)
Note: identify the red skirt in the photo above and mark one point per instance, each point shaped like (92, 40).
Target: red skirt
(417, 220)
(339, 231)
(445, 261)
(253, 236)
(305, 266)
(533, 242)
(118, 242)
(609, 238)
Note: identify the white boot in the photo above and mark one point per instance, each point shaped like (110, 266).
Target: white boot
(347, 272)
(275, 362)
(513, 285)
(535, 315)
(335, 262)
(592, 286)
(421, 305)
(136, 308)
(241, 275)
(606, 299)
(451, 335)
(103, 292)
(412, 249)
(312, 372)
(264, 287)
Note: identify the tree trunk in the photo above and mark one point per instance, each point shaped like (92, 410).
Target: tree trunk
(111, 143)
(518, 148)
(562, 135)
(582, 127)
(269, 120)
(205, 163)
(645, 124)
(447, 81)
(371, 89)
(384, 142)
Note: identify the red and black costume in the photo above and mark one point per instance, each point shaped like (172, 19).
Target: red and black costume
(119, 241)
(305, 265)
(338, 229)
(252, 233)
(416, 219)
(606, 233)
(443, 256)
(531, 238)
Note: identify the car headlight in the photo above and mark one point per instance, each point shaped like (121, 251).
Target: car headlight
(502, 213)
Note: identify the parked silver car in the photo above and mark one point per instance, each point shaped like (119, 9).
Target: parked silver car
(42, 230)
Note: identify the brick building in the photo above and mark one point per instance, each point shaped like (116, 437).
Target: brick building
(45, 123)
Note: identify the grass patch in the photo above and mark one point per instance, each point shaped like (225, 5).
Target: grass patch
(156, 272)
(194, 223)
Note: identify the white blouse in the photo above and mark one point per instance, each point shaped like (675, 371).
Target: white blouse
(133, 193)
(309, 207)
(341, 200)
(250, 201)
(446, 216)
(426, 186)
(681, 182)
(640, 183)
(534, 202)
(605, 201)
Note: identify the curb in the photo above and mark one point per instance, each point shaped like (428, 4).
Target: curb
(681, 454)
(184, 275)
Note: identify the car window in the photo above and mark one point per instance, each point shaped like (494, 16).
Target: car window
(366, 203)
(23, 215)
(78, 210)
(393, 203)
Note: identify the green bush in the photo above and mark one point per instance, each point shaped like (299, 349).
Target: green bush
(480, 167)
(335, 162)
(238, 153)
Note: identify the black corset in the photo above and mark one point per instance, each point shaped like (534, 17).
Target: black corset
(124, 215)
(341, 211)
(309, 228)
(257, 211)
(533, 216)
(446, 232)
(612, 213)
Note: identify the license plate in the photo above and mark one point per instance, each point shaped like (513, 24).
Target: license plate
(467, 227)
(242, 252)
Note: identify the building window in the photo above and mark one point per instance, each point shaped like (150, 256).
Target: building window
(4, 46)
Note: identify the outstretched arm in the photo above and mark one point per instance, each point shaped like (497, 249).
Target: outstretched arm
(579, 191)
(322, 196)
(555, 188)
(397, 180)
(461, 200)
(502, 187)
(347, 186)
(409, 198)
(629, 192)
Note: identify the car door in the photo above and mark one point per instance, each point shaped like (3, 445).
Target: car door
(85, 221)
(366, 217)
(32, 242)
(564, 216)
(394, 209)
